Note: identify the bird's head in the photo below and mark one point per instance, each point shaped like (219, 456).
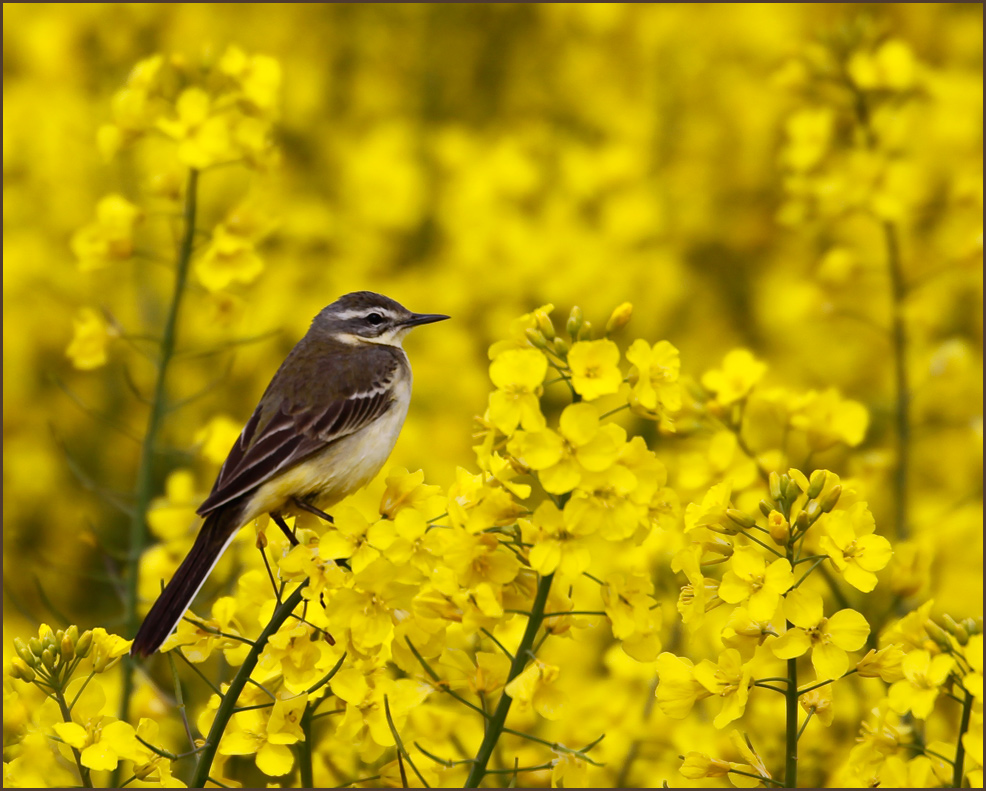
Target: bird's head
(366, 317)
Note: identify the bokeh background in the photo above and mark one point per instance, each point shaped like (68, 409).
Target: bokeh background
(483, 160)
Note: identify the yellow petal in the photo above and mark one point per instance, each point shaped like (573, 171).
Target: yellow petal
(848, 630)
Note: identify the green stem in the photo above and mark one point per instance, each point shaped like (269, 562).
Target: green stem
(148, 451)
(84, 774)
(228, 704)
(791, 725)
(496, 724)
(958, 768)
(902, 385)
(305, 749)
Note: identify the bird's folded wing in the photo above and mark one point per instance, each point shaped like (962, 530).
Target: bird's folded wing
(266, 448)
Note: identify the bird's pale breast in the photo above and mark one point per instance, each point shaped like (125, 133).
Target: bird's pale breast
(343, 467)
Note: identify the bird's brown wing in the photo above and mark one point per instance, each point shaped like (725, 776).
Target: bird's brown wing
(286, 428)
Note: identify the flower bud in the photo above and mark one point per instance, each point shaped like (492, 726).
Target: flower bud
(939, 635)
(801, 523)
(743, 519)
(544, 324)
(67, 648)
(813, 510)
(561, 347)
(830, 498)
(20, 670)
(574, 324)
(35, 645)
(885, 664)
(48, 658)
(778, 528)
(766, 507)
(619, 318)
(84, 644)
(956, 629)
(585, 331)
(724, 527)
(25, 653)
(774, 484)
(73, 634)
(145, 772)
(535, 338)
(816, 484)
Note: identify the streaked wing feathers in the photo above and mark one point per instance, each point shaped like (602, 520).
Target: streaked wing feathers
(290, 436)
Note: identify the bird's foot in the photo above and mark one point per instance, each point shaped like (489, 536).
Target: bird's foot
(279, 521)
(304, 505)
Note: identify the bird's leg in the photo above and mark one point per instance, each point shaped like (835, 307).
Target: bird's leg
(304, 505)
(279, 521)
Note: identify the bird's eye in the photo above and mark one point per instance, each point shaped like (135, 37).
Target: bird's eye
(374, 319)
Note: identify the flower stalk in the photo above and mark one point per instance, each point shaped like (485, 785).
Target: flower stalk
(149, 448)
(495, 726)
(227, 706)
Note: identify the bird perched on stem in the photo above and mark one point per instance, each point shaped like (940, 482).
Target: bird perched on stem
(322, 430)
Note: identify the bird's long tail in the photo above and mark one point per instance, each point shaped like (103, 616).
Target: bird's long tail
(217, 531)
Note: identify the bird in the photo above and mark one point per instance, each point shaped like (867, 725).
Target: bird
(322, 430)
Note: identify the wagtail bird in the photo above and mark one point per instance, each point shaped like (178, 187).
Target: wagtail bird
(322, 430)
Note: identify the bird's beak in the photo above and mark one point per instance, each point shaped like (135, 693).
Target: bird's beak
(423, 318)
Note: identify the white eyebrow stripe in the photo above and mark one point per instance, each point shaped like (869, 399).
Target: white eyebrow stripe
(364, 312)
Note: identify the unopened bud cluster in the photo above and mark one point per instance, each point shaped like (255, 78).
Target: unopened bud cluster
(544, 335)
(51, 656)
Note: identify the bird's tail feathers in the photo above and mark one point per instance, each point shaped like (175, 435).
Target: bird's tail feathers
(218, 530)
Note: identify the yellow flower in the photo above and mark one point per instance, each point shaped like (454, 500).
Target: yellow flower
(884, 663)
(364, 724)
(406, 490)
(739, 374)
(103, 741)
(853, 547)
(924, 677)
(582, 444)
(728, 679)
(484, 672)
(555, 547)
(828, 639)
(259, 76)
(697, 765)
(534, 687)
(107, 649)
(217, 437)
(654, 377)
(349, 539)
(199, 641)
(827, 419)
(518, 375)
(203, 137)
(595, 368)
(170, 517)
(230, 257)
(475, 505)
(90, 338)
(110, 237)
(476, 558)
(700, 594)
(267, 739)
(744, 634)
(818, 702)
(102, 747)
(751, 580)
(296, 655)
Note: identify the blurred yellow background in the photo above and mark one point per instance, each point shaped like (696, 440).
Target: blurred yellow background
(480, 161)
